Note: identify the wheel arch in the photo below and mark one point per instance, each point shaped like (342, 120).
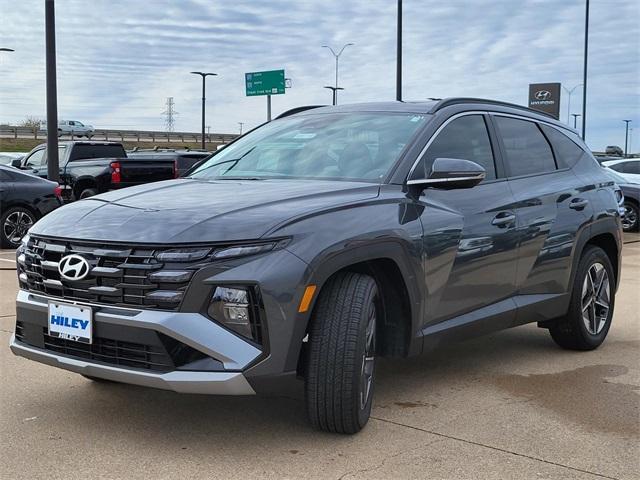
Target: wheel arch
(398, 283)
(606, 234)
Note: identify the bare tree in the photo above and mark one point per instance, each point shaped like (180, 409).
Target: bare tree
(32, 122)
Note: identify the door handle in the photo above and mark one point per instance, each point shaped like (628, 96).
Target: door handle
(578, 203)
(503, 219)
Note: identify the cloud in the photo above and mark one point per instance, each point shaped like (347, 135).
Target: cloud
(118, 60)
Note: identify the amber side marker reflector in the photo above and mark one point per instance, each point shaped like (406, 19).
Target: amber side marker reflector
(306, 298)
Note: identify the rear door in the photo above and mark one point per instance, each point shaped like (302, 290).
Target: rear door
(552, 203)
(470, 239)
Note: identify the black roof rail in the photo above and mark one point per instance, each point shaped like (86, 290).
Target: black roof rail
(295, 110)
(447, 102)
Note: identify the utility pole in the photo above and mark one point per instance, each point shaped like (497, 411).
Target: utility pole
(626, 137)
(399, 54)
(53, 169)
(204, 76)
(584, 73)
(169, 115)
(241, 124)
(337, 56)
(575, 119)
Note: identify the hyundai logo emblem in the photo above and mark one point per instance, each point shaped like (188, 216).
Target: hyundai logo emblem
(73, 267)
(542, 95)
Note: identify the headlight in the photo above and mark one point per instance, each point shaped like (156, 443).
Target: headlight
(244, 250)
(233, 308)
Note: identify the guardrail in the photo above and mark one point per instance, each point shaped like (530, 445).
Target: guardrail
(9, 131)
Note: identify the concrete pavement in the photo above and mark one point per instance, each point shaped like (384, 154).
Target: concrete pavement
(508, 405)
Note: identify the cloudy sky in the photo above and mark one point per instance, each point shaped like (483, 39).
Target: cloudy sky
(118, 60)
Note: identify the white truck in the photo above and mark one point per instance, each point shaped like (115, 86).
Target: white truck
(72, 127)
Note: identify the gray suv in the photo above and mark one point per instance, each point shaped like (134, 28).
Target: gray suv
(320, 241)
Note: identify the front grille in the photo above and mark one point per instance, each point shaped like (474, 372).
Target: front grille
(158, 352)
(119, 275)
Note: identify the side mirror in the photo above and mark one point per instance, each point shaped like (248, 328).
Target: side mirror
(451, 173)
(16, 162)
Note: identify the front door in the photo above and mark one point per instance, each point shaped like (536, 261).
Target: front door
(470, 239)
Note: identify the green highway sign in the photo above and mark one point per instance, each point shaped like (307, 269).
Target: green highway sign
(264, 83)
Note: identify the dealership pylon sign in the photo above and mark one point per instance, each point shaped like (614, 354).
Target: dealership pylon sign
(545, 97)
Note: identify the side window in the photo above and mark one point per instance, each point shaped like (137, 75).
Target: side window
(36, 159)
(465, 138)
(567, 152)
(527, 150)
(631, 167)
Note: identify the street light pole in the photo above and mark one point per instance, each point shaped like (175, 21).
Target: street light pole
(626, 137)
(204, 75)
(584, 73)
(569, 92)
(53, 170)
(399, 54)
(334, 91)
(575, 119)
(337, 56)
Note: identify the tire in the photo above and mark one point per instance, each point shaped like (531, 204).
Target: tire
(14, 224)
(86, 193)
(340, 367)
(571, 332)
(630, 221)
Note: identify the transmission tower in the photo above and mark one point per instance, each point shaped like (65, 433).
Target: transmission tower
(169, 115)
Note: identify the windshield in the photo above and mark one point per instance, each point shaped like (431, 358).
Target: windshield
(338, 146)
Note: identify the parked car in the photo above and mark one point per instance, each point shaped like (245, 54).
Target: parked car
(185, 159)
(7, 158)
(23, 200)
(89, 168)
(614, 150)
(629, 168)
(322, 240)
(630, 202)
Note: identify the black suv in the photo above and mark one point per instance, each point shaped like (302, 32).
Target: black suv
(322, 240)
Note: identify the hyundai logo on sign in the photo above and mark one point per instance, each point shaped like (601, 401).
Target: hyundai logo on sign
(545, 97)
(73, 267)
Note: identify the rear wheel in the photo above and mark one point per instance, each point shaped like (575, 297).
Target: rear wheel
(15, 223)
(589, 317)
(86, 193)
(630, 219)
(341, 362)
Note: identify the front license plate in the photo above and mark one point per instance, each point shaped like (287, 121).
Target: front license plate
(71, 322)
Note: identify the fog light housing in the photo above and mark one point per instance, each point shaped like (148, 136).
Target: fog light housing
(232, 306)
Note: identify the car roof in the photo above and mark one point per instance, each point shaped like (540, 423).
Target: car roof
(622, 160)
(432, 106)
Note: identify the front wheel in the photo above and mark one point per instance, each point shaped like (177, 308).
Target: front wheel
(340, 366)
(589, 317)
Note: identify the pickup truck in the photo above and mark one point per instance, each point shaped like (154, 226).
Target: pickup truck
(88, 168)
(72, 127)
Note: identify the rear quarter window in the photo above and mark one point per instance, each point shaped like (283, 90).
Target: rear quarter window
(567, 151)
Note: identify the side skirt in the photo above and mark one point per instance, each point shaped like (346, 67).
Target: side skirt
(508, 313)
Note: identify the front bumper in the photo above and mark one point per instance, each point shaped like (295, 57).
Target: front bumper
(214, 383)
(230, 353)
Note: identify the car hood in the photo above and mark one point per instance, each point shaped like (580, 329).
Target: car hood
(195, 211)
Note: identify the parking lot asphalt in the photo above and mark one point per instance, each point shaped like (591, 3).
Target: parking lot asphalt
(508, 405)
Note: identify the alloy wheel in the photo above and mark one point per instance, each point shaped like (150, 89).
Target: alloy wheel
(16, 226)
(630, 218)
(368, 358)
(596, 298)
